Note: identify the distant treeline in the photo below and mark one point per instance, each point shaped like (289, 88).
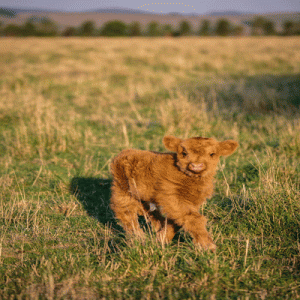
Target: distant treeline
(42, 26)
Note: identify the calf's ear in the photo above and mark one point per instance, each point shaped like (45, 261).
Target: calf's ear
(227, 147)
(171, 142)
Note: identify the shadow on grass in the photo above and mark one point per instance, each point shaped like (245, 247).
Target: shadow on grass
(94, 194)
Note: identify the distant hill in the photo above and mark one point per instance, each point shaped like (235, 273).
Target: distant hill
(113, 10)
(7, 13)
(118, 11)
(227, 13)
(101, 11)
(16, 11)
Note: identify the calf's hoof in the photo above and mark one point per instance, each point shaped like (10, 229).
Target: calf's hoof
(207, 244)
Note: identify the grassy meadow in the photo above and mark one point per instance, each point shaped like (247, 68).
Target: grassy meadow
(67, 106)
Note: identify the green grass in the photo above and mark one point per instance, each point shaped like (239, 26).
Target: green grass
(67, 106)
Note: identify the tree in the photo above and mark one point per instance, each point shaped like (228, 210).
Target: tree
(134, 29)
(288, 27)
(12, 30)
(223, 27)
(237, 30)
(29, 29)
(204, 28)
(87, 29)
(258, 26)
(167, 30)
(262, 26)
(39, 26)
(269, 28)
(48, 27)
(114, 28)
(69, 31)
(296, 28)
(153, 29)
(184, 28)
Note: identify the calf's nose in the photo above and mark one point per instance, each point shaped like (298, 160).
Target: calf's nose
(196, 167)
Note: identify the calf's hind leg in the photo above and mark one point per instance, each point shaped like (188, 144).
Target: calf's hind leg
(153, 215)
(165, 228)
(167, 232)
(126, 209)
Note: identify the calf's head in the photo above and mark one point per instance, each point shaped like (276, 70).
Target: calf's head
(198, 156)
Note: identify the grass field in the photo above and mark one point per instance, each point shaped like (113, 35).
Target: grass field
(67, 106)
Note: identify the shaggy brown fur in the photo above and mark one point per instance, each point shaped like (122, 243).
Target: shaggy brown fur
(168, 188)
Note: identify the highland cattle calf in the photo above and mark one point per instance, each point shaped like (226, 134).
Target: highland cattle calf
(168, 188)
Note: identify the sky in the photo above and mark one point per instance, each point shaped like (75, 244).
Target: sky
(188, 6)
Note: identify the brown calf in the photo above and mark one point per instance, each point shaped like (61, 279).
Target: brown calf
(168, 188)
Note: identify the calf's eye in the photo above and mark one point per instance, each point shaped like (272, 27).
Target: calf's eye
(212, 154)
(184, 154)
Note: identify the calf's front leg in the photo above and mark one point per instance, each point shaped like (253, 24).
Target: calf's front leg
(195, 224)
(192, 222)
